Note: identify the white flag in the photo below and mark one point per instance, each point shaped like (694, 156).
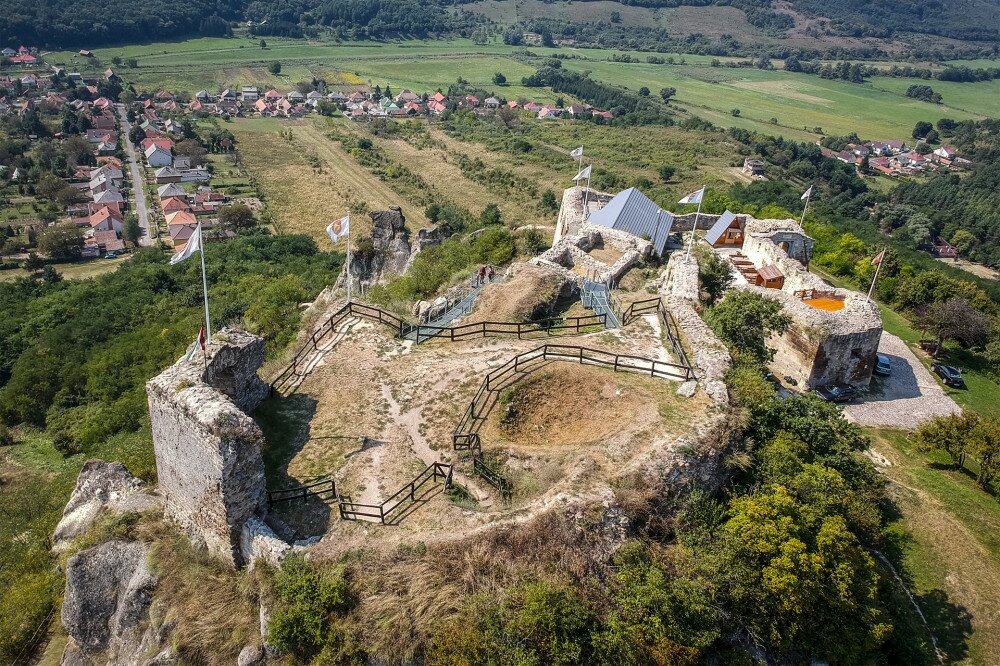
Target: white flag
(193, 245)
(576, 152)
(338, 228)
(583, 175)
(806, 194)
(694, 197)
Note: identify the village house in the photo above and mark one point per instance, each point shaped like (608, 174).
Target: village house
(157, 156)
(249, 93)
(753, 167)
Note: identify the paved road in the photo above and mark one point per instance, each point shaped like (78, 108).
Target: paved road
(137, 182)
(906, 398)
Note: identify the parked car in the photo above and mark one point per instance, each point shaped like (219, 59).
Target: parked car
(882, 365)
(949, 375)
(111, 255)
(832, 393)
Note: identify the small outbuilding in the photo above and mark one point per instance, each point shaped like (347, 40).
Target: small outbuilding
(726, 232)
(770, 277)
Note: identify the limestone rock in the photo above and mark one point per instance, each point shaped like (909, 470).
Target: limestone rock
(100, 486)
(390, 249)
(108, 593)
(258, 541)
(251, 655)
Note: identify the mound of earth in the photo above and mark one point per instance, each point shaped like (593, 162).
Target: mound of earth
(529, 293)
(568, 405)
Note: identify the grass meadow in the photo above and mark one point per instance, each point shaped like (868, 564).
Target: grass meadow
(776, 102)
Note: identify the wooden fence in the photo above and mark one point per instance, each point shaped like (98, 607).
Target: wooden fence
(325, 489)
(421, 333)
(353, 510)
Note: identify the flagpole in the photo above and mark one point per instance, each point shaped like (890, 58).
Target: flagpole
(802, 220)
(204, 288)
(586, 195)
(349, 260)
(878, 267)
(579, 163)
(695, 227)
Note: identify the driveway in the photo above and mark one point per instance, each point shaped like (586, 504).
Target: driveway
(139, 193)
(907, 398)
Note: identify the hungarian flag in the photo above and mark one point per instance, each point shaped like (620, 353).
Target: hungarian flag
(193, 245)
(576, 152)
(201, 338)
(694, 197)
(806, 194)
(583, 175)
(339, 228)
(878, 258)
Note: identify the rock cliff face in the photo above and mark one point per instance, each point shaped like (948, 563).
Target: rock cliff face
(388, 253)
(105, 611)
(208, 449)
(100, 487)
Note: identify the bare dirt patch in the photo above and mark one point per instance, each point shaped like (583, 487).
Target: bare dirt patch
(530, 292)
(571, 405)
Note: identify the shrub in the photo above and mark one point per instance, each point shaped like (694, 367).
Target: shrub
(305, 599)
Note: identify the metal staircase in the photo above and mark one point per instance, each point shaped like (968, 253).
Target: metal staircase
(597, 296)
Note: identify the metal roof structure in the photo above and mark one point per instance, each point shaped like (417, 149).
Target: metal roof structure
(632, 211)
(720, 226)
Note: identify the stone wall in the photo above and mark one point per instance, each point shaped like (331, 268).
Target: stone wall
(571, 252)
(765, 242)
(708, 354)
(571, 213)
(208, 450)
(825, 347)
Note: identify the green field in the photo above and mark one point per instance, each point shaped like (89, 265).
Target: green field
(775, 102)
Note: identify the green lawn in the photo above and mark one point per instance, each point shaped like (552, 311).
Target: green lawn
(952, 556)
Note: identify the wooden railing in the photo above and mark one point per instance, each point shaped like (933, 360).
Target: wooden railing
(422, 333)
(325, 489)
(673, 332)
(493, 477)
(353, 510)
(465, 435)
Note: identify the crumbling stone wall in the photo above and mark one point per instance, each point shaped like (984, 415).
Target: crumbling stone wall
(765, 242)
(709, 355)
(571, 252)
(208, 449)
(572, 215)
(826, 347)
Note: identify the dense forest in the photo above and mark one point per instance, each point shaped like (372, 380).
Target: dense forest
(90, 23)
(76, 23)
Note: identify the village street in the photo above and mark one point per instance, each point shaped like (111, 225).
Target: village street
(137, 181)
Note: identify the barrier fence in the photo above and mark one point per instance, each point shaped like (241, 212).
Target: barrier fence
(353, 510)
(422, 333)
(325, 489)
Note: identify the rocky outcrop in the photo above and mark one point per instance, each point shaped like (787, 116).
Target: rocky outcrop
(100, 487)
(105, 610)
(385, 253)
(208, 449)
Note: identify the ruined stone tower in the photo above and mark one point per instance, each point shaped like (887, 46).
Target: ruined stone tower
(208, 450)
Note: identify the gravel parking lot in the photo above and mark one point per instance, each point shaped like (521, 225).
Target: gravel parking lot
(908, 397)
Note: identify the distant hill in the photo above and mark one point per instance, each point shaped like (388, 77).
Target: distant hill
(710, 26)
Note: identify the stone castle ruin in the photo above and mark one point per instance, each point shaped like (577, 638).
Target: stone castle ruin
(208, 449)
(835, 332)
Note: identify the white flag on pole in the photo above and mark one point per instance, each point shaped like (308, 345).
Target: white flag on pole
(694, 197)
(576, 152)
(339, 228)
(193, 245)
(583, 175)
(806, 194)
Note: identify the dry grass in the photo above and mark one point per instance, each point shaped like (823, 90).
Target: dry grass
(405, 595)
(214, 607)
(529, 293)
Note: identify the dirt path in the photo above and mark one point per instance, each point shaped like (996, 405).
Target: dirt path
(355, 178)
(410, 422)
